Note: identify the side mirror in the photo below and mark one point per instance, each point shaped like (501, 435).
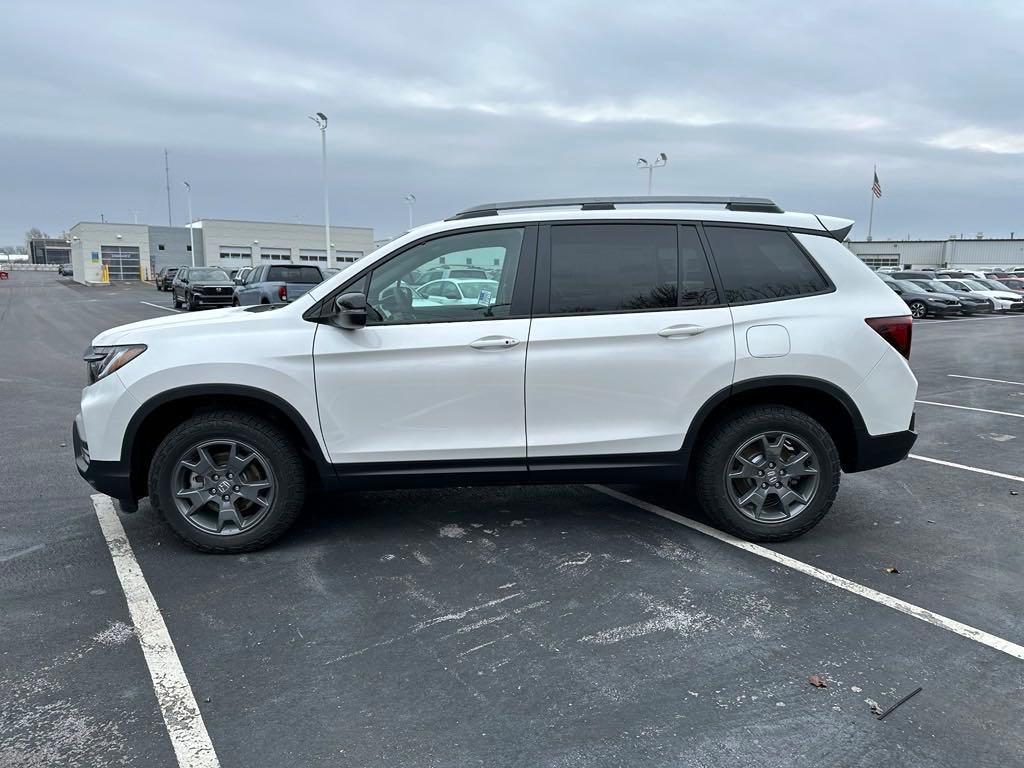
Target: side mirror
(237, 280)
(350, 311)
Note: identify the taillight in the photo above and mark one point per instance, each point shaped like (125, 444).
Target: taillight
(282, 293)
(896, 330)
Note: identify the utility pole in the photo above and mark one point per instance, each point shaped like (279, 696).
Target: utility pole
(167, 178)
(321, 123)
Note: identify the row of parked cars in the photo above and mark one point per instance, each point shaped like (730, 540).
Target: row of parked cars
(204, 287)
(949, 292)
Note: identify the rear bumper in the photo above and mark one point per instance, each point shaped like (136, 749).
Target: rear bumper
(110, 477)
(874, 451)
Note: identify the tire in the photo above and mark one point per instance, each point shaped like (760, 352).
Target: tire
(918, 309)
(234, 302)
(271, 445)
(717, 493)
(190, 300)
(175, 300)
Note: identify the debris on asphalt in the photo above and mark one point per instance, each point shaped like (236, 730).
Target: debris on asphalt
(901, 702)
(817, 681)
(1013, 493)
(874, 707)
(890, 569)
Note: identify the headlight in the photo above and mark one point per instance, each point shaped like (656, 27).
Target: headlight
(103, 361)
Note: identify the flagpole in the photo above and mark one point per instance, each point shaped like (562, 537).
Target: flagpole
(871, 213)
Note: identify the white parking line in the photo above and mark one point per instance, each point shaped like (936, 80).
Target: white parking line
(979, 470)
(184, 722)
(982, 378)
(157, 306)
(968, 408)
(964, 630)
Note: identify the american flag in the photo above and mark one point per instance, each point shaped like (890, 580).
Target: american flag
(876, 188)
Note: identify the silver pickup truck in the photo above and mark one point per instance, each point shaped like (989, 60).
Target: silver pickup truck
(276, 284)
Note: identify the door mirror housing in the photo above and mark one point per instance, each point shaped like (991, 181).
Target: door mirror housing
(350, 311)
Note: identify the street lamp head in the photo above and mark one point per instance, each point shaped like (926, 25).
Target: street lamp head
(410, 199)
(322, 116)
(187, 186)
(664, 157)
(320, 119)
(641, 163)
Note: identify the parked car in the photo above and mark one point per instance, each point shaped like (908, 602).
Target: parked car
(657, 343)
(330, 271)
(165, 277)
(960, 274)
(922, 302)
(1000, 285)
(65, 270)
(911, 274)
(199, 287)
(969, 303)
(276, 284)
(1015, 284)
(239, 275)
(443, 273)
(1002, 300)
(457, 291)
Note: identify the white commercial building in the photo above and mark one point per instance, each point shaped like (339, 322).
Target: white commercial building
(233, 244)
(138, 251)
(951, 253)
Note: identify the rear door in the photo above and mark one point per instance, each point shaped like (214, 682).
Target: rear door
(629, 339)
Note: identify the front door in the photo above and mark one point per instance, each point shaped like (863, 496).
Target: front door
(427, 380)
(629, 339)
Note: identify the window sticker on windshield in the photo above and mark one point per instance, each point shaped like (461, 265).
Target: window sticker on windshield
(485, 297)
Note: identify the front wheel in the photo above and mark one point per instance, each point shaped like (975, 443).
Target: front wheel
(918, 309)
(227, 481)
(768, 473)
(191, 300)
(175, 300)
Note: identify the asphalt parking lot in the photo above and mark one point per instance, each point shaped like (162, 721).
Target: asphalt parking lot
(522, 626)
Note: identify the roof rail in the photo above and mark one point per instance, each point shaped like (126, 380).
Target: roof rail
(749, 204)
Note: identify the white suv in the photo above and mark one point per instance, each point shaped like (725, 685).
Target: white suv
(625, 340)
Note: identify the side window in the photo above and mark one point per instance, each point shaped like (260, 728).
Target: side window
(611, 267)
(393, 296)
(761, 265)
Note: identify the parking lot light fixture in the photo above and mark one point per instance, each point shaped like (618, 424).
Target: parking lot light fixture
(191, 230)
(410, 200)
(649, 166)
(321, 122)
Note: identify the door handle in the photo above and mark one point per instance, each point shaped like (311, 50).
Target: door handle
(677, 331)
(494, 342)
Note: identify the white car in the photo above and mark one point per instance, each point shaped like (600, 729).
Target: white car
(628, 340)
(458, 291)
(1002, 300)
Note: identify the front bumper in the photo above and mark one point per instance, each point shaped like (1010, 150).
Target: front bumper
(110, 477)
(874, 451)
(213, 300)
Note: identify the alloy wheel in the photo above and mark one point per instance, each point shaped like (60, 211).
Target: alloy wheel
(223, 487)
(772, 477)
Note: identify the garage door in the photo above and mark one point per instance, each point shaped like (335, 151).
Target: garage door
(122, 262)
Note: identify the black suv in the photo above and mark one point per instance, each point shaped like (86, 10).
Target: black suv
(199, 287)
(164, 277)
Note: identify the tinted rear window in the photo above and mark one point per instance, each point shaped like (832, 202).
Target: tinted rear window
(609, 267)
(762, 264)
(294, 275)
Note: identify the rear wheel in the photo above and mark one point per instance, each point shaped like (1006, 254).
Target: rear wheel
(918, 309)
(227, 481)
(768, 473)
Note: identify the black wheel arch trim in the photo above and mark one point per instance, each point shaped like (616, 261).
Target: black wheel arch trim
(311, 446)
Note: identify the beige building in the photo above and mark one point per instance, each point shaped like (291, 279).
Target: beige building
(233, 244)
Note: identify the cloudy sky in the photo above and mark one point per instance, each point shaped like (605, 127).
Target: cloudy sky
(464, 102)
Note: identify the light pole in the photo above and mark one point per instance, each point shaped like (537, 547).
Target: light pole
(410, 200)
(321, 122)
(646, 165)
(191, 231)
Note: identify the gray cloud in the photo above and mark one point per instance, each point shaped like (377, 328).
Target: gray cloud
(462, 102)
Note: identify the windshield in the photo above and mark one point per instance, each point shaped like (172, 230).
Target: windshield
(207, 273)
(995, 285)
(976, 285)
(934, 285)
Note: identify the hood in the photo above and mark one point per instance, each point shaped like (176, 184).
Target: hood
(146, 329)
